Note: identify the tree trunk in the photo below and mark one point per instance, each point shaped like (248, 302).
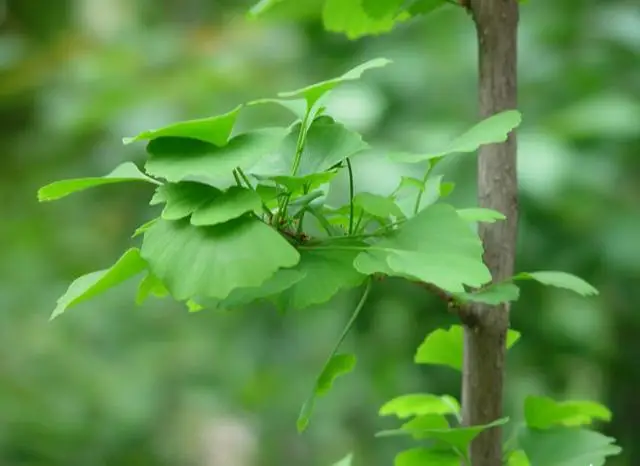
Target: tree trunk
(496, 23)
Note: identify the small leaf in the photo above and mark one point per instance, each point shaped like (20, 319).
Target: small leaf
(230, 204)
(150, 285)
(518, 458)
(123, 172)
(436, 246)
(492, 130)
(567, 447)
(426, 456)
(338, 365)
(480, 215)
(182, 159)
(542, 413)
(184, 198)
(144, 227)
(212, 261)
(559, 280)
(377, 205)
(214, 130)
(457, 437)
(492, 295)
(349, 17)
(445, 347)
(419, 405)
(314, 92)
(88, 286)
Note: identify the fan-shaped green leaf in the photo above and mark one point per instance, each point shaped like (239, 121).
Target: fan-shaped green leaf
(214, 130)
(338, 364)
(123, 172)
(314, 92)
(183, 198)
(88, 286)
(179, 159)
(445, 347)
(492, 295)
(567, 447)
(480, 215)
(348, 17)
(426, 456)
(212, 261)
(542, 413)
(559, 280)
(435, 246)
(419, 404)
(327, 144)
(297, 107)
(327, 272)
(491, 130)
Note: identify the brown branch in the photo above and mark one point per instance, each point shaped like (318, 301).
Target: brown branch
(496, 24)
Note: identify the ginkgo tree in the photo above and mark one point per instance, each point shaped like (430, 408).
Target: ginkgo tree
(242, 218)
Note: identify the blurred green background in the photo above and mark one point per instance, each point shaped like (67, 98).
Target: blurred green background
(111, 384)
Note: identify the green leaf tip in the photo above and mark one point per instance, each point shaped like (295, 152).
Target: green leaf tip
(314, 92)
(215, 130)
(492, 130)
(445, 347)
(337, 365)
(127, 171)
(559, 280)
(420, 404)
(88, 286)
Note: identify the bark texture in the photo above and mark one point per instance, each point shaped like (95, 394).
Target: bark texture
(496, 23)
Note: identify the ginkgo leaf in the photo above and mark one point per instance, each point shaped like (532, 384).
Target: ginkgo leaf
(296, 106)
(327, 144)
(542, 413)
(445, 347)
(126, 171)
(492, 295)
(518, 458)
(214, 130)
(314, 92)
(182, 159)
(458, 437)
(327, 272)
(88, 286)
(184, 198)
(419, 404)
(436, 246)
(349, 18)
(559, 280)
(491, 130)
(478, 214)
(426, 456)
(212, 261)
(566, 447)
(338, 364)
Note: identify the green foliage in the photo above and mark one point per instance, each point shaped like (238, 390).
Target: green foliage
(124, 172)
(353, 18)
(235, 228)
(445, 347)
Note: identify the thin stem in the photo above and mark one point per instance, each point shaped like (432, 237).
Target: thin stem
(244, 178)
(323, 221)
(237, 177)
(351, 190)
(238, 171)
(425, 178)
